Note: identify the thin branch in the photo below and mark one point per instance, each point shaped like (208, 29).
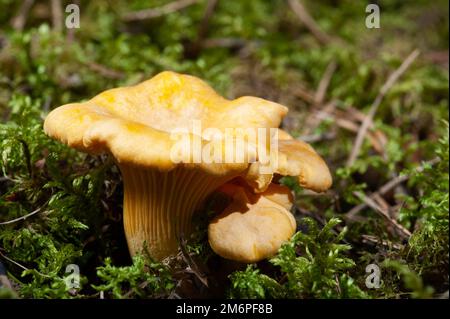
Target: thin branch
(105, 71)
(319, 96)
(313, 120)
(142, 285)
(191, 263)
(374, 107)
(377, 241)
(57, 15)
(158, 12)
(309, 22)
(346, 124)
(388, 187)
(192, 49)
(19, 265)
(14, 262)
(204, 24)
(304, 94)
(318, 137)
(372, 204)
(224, 43)
(21, 217)
(5, 178)
(18, 22)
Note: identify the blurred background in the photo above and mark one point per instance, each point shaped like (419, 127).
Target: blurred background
(372, 101)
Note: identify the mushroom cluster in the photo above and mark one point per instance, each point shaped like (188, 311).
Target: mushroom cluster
(136, 124)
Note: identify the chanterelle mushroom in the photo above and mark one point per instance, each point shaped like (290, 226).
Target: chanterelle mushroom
(253, 226)
(258, 219)
(136, 125)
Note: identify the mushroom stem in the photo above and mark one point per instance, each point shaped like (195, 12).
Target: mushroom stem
(158, 206)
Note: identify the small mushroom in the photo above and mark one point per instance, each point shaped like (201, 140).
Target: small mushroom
(258, 219)
(254, 225)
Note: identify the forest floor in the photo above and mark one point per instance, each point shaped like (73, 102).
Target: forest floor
(373, 102)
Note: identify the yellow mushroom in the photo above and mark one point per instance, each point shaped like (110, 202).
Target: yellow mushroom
(254, 225)
(258, 219)
(136, 125)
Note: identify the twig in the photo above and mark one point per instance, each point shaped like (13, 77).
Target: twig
(372, 204)
(375, 240)
(142, 285)
(338, 284)
(18, 22)
(158, 12)
(191, 263)
(19, 265)
(388, 187)
(224, 43)
(5, 178)
(12, 261)
(57, 15)
(105, 71)
(319, 96)
(374, 107)
(344, 124)
(192, 49)
(309, 22)
(21, 217)
(313, 121)
(317, 137)
(204, 24)
(303, 94)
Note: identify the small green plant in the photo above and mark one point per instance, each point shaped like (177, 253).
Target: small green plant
(428, 247)
(312, 265)
(144, 278)
(251, 284)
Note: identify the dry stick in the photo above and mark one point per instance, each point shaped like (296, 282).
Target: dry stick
(319, 96)
(372, 204)
(313, 121)
(374, 107)
(318, 137)
(57, 15)
(347, 125)
(303, 94)
(309, 22)
(204, 24)
(5, 178)
(375, 240)
(22, 217)
(202, 31)
(158, 12)
(191, 263)
(12, 261)
(19, 265)
(387, 187)
(105, 71)
(18, 22)
(224, 43)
